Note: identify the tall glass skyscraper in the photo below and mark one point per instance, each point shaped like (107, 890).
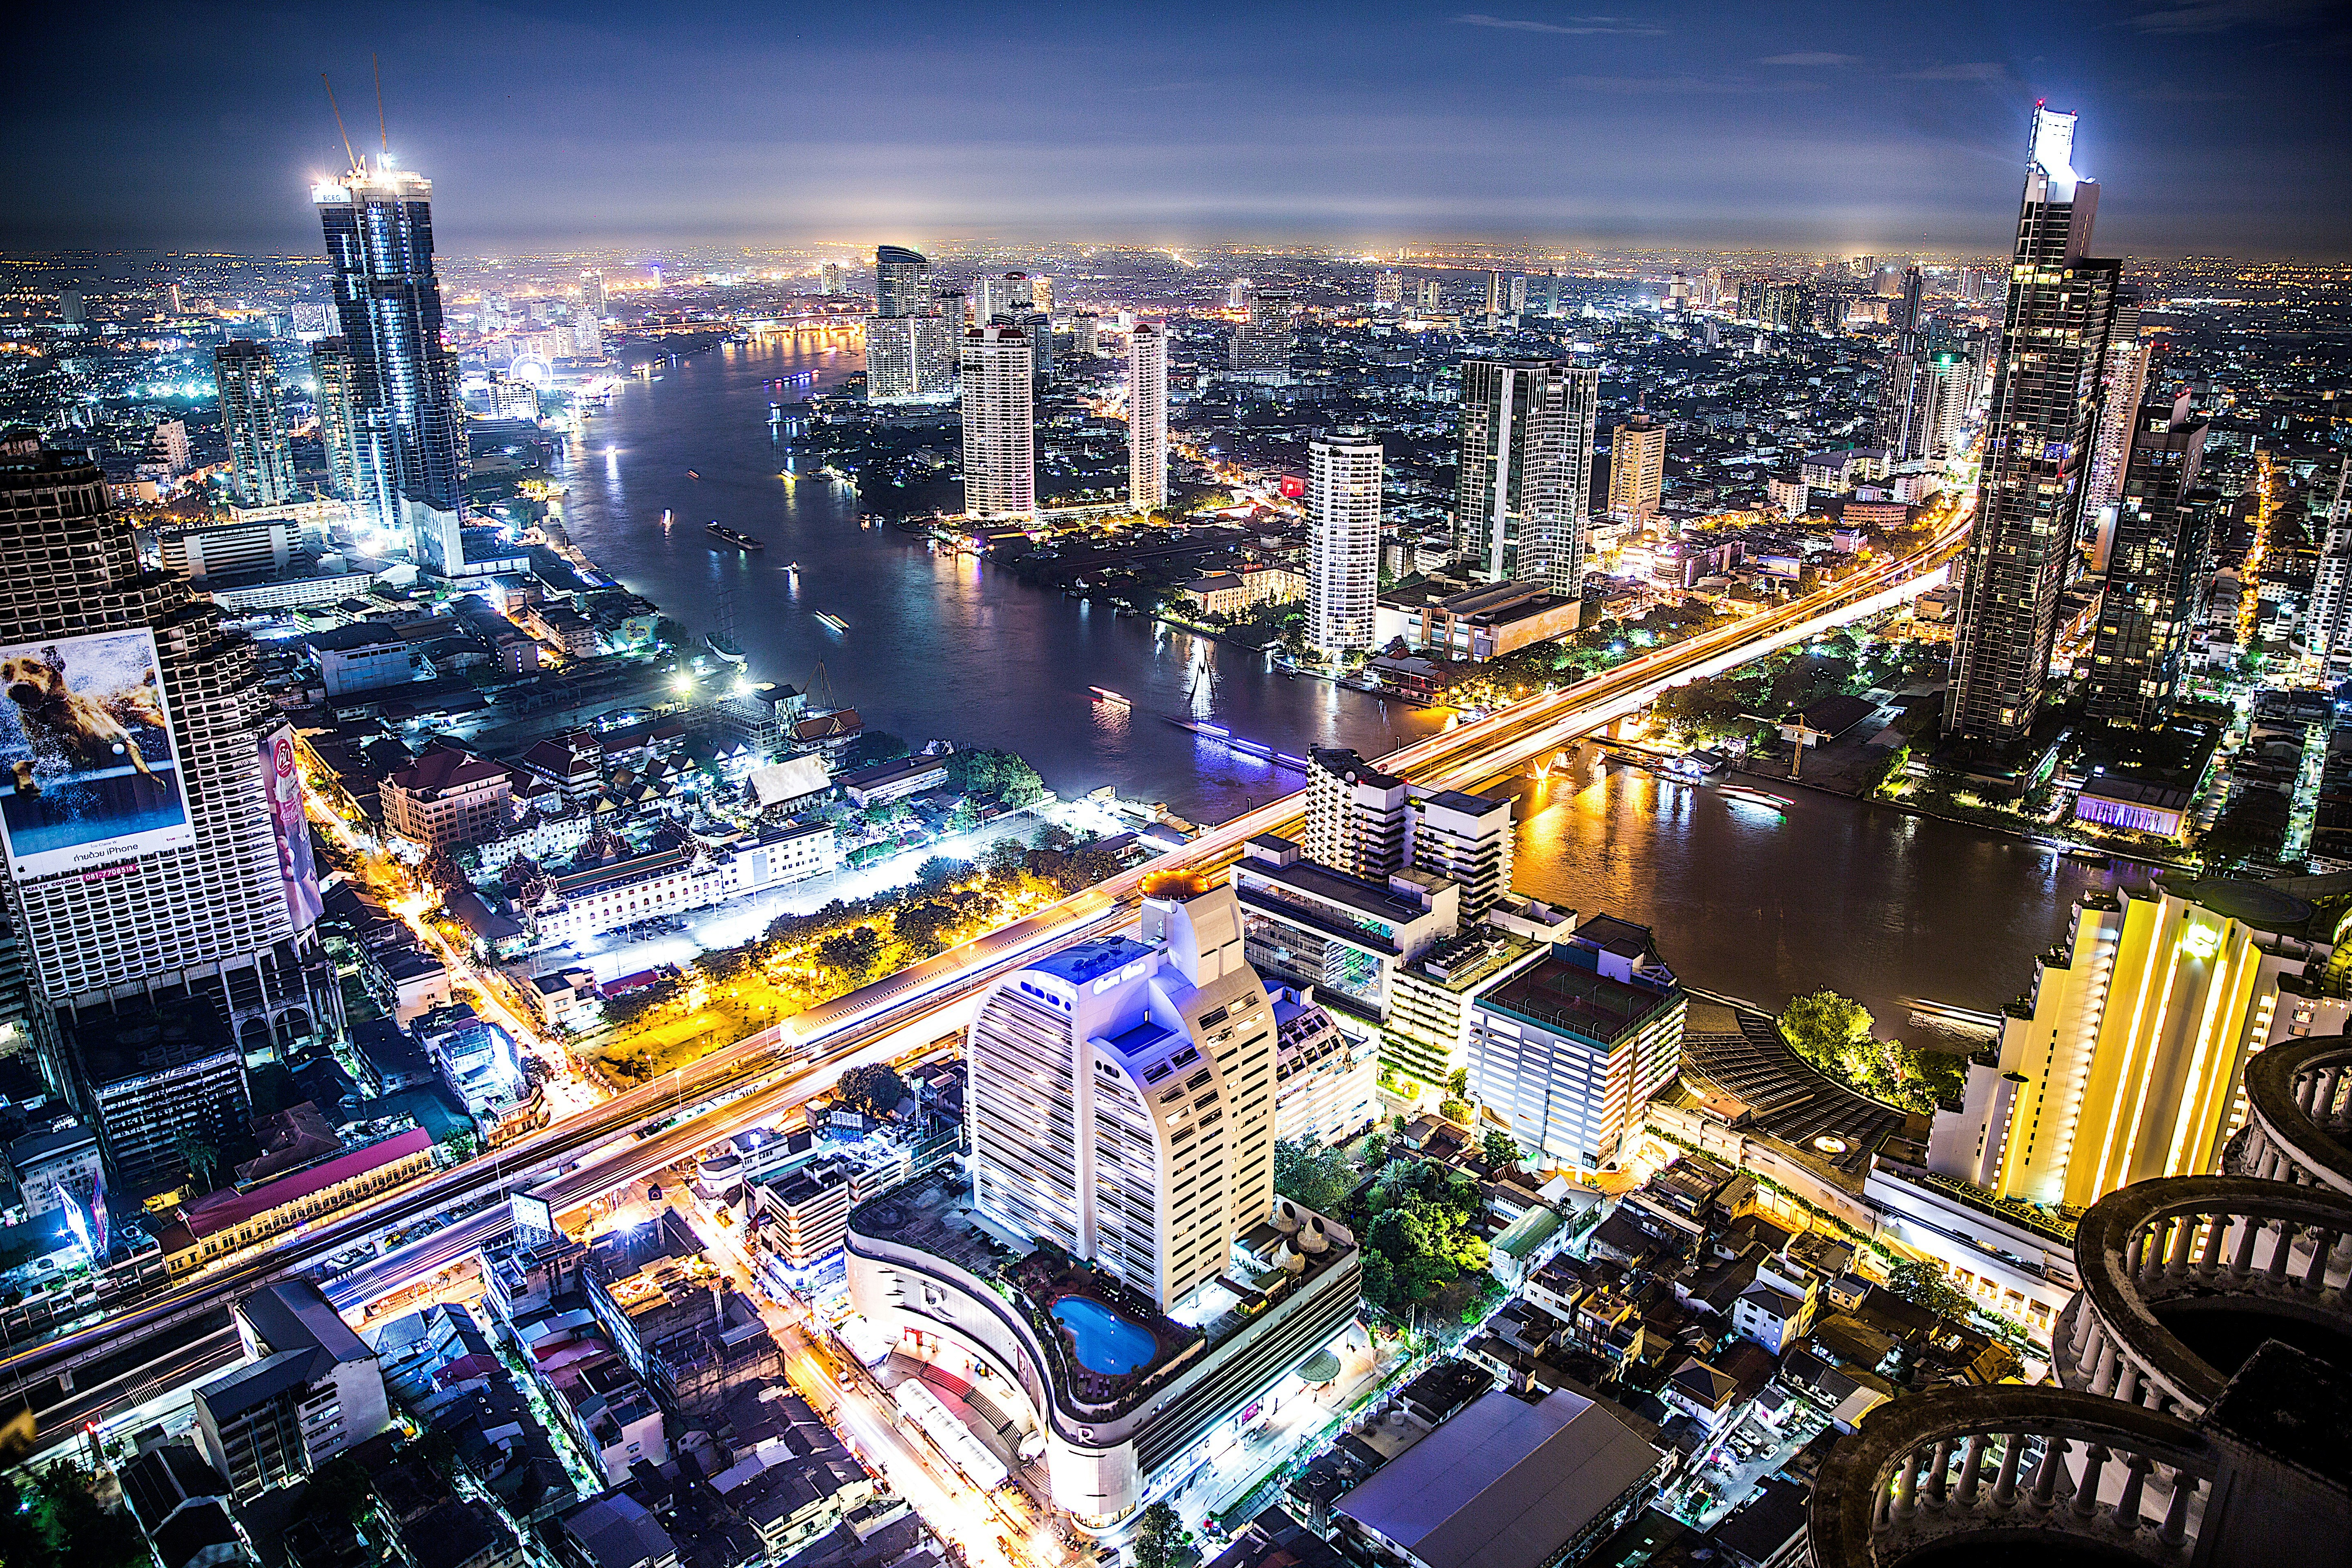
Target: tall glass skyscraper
(331, 368)
(1147, 418)
(379, 230)
(2037, 449)
(1523, 494)
(2155, 567)
(253, 417)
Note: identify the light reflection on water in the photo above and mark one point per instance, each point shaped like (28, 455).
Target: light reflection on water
(1863, 899)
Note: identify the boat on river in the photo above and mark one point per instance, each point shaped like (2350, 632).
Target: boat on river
(730, 536)
(725, 646)
(835, 621)
(1105, 694)
(1754, 797)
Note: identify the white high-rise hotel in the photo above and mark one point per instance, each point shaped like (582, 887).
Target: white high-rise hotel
(1343, 563)
(1000, 425)
(1147, 418)
(1121, 1110)
(1121, 1100)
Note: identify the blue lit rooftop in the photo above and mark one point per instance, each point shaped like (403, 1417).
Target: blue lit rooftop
(1092, 960)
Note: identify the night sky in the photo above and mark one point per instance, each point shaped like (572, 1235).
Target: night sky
(2215, 126)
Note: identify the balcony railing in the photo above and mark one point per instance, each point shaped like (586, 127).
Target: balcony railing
(2017, 1467)
(2298, 1115)
(2234, 1250)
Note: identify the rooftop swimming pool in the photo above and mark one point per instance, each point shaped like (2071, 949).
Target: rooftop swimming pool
(1106, 1342)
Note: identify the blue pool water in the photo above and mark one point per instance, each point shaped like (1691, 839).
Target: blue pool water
(1108, 1342)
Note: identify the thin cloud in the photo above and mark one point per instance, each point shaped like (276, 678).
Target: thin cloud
(1574, 26)
(2220, 15)
(1681, 84)
(1810, 57)
(1973, 70)
(2170, 94)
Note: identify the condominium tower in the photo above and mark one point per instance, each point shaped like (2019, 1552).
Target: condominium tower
(2155, 568)
(1637, 469)
(1523, 494)
(1343, 560)
(379, 231)
(910, 345)
(1147, 418)
(253, 417)
(1000, 427)
(1902, 383)
(902, 282)
(338, 405)
(2037, 447)
(2121, 386)
(1358, 819)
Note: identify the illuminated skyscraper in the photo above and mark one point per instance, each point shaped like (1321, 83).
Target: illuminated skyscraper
(1263, 343)
(1008, 296)
(2156, 570)
(902, 282)
(1000, 430)
(592, 295)
(1494, 298)
(1076, 1136)
(1523, 493)
(1388, 288)
(1518, 296)
(1147, 418)
(1343, 516)
(379, 231)
(910, 343)
(1637, 469)
(829, 280)
(1902, 401)
(1432, 295)
(2037, 447)
(164, 891)
(2120, 387)
(2128, 1062)
(1950, 382)
(337, 401)
(253, 417)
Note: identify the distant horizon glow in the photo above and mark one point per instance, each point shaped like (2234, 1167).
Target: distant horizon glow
(1684, 124)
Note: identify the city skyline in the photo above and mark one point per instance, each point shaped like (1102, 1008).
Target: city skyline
(1799, 129)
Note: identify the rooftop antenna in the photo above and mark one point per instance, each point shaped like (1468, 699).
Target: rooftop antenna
(346, 135)
(383, 132)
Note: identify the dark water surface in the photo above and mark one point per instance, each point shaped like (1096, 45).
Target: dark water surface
(1869, 901)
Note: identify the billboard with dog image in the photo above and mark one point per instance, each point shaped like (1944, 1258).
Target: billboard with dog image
(88, 775)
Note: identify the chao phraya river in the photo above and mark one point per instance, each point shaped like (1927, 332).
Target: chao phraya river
(1869, 901)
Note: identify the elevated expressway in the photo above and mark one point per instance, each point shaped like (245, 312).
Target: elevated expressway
(160, 1341)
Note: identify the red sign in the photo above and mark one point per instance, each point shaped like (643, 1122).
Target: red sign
(1293, 487)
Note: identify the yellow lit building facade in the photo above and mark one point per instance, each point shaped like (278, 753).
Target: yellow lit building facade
(2127, 1059)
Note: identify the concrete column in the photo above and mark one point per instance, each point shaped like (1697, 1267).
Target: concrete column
(2004, 1483)
(2323, 1246)
(2216, 1234)
(2103, 1375)
(2136, 1469)
(2184, 1240)
(2250, 1236)
(2176, 1517)
(2086, 1496)
(2127, 1385)
(1907, 1486)
(1970, 1465)
(2279, 1251)
(2045, 1476)
(2087, 1324)
(1943, 1464)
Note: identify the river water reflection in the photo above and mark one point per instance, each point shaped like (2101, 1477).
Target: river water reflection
(1867, 899)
